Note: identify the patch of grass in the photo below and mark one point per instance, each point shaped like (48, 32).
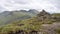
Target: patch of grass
(57, 30)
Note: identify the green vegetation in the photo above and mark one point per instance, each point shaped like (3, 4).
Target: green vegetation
(27, 25)
(8, 17)
(57, 30)
(56, 17)
(56, 14)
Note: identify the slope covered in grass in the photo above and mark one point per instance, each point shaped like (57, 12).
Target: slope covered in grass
(42, 23)
(26, 25)
(10, 16)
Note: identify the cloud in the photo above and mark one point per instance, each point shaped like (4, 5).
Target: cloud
(48, 5)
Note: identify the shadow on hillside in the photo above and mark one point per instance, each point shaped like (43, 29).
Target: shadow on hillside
(23, 32)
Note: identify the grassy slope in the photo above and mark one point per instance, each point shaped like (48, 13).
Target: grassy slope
(15, 16)
(26, 25)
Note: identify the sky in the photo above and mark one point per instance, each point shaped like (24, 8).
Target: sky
(52, 6)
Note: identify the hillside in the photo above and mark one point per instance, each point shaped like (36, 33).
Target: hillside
(7, 17)
(43, 23)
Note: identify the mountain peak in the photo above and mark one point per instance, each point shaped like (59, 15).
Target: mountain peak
(44, 14)
(43, 10)
(33, 11)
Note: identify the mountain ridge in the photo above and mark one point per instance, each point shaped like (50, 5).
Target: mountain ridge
(7, 16)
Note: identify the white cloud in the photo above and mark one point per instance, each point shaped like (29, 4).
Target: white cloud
(48, 5)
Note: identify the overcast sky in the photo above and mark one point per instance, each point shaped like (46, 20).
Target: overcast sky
(48, 5)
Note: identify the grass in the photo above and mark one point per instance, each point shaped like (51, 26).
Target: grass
(57, 30)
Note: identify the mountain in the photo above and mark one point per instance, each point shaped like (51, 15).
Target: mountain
(42, 23)
(8, 16)
(33, 11)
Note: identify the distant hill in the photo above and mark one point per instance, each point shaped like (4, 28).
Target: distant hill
(8, 16)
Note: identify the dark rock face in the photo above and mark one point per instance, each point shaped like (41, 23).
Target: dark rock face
(17, 32)
(33, 32)
(20, 32)
(23, 32)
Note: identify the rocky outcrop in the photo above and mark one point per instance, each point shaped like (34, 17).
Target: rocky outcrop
(44, 16)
